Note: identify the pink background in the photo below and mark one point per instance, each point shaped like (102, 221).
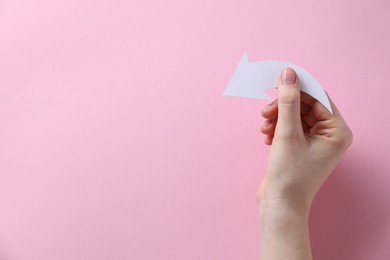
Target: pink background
(116, 141)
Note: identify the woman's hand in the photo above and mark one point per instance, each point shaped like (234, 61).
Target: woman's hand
(307, 142)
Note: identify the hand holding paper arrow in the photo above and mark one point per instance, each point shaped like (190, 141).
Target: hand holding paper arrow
(250, 80)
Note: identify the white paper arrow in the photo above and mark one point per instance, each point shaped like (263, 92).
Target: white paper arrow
(250, 80)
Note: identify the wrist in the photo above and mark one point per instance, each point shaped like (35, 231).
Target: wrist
(277, 196)
(276, 210)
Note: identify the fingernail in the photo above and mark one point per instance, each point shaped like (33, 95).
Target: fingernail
(288, 76)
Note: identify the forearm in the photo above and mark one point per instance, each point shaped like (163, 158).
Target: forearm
(284, 231)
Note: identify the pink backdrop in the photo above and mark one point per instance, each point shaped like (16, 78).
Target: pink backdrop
(116, 141)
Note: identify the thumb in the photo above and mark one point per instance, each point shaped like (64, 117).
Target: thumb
(289, 105)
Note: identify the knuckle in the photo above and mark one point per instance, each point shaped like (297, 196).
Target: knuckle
(348, 135)
(291, 132)
(289, 95)
(344, 139)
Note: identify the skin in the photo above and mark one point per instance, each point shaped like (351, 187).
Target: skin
(307, 142)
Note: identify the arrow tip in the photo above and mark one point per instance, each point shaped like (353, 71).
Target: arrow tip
(244, 82)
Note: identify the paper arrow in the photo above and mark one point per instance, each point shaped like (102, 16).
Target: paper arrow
(250, 80)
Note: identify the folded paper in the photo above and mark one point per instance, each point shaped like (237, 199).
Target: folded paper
(251, 79)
